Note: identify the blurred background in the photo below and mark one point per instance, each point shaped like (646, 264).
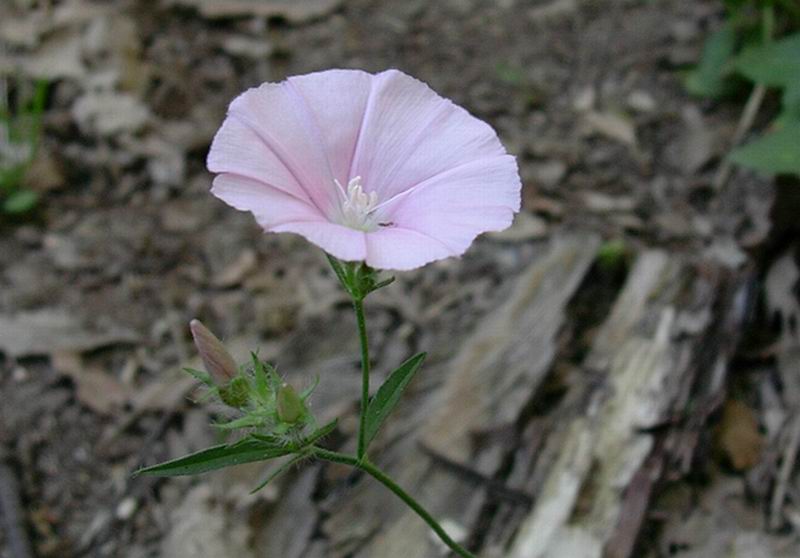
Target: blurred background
(618, 374)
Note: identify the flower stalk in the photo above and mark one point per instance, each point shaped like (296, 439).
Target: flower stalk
(366, 466)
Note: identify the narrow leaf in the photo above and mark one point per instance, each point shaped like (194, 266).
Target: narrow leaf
(247, 450)
(320, 433)
(278, 472)
(389, 394)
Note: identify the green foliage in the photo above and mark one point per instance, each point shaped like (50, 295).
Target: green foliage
(710, 77)
(255, 447)
(744, 48)
(247, 450)
(20, 131)
(775, 64)
(389, 394)
(774, 153)
(612, 255)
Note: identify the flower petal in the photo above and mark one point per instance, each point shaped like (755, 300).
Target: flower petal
(269, 205)
(278, 116)
(403, 249)
(456, 206)
(238, 149)
(410, 134)
(337, 240)
(337, 101)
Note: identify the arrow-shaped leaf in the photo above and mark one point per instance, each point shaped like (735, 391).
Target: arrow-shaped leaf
(389, 394)
(244, 451)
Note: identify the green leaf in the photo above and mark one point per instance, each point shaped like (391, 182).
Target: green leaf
(279, 471)
(790, 102)
(775, 64)
(389, 394)
(774, 153)
(20, 201)
(246, 450)
(708, 79)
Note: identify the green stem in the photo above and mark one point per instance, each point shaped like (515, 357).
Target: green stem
(386, 481)
(358, 304)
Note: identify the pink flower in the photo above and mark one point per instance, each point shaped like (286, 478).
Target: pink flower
(375, 168)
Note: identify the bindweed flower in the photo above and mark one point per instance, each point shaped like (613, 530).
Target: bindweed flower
(373, 168)
(216, 359)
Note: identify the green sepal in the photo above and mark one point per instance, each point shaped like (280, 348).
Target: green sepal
(201, 376)
(247, 421)
(247, 450)
(237, 393)
(389, 394)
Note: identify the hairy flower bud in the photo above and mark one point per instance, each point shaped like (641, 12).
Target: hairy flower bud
(236, 393)
(217, 360)
(290, 406)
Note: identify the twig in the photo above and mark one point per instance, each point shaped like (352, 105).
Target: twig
(492, 485)
(11, 512)
(782, 482)
(745, 123)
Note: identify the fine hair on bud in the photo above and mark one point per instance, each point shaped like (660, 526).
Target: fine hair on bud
(217, 361)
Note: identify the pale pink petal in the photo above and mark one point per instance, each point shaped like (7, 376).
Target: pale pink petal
(410, 134)
(402, 249)
(337, 101)
(269, 205)
(457, 205)
(239, 150)
(337, 240)
(277, 115)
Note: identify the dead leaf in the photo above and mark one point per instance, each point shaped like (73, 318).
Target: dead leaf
(95, 388)
(45, 332)
(738, 435)
(60, 56)
(782, 279)
(614, 126)
(292, 10)
(107, 113)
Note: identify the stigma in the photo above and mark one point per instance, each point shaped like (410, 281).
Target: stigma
(357, 206)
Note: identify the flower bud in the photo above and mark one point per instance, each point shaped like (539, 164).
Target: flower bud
(217, 360)
(290, 406)
(236, 393)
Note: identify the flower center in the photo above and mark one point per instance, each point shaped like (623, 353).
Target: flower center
(357, 206)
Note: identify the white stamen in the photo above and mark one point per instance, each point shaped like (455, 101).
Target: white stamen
(357, 206)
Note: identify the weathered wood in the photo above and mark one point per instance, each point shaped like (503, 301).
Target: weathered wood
(647, 352)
